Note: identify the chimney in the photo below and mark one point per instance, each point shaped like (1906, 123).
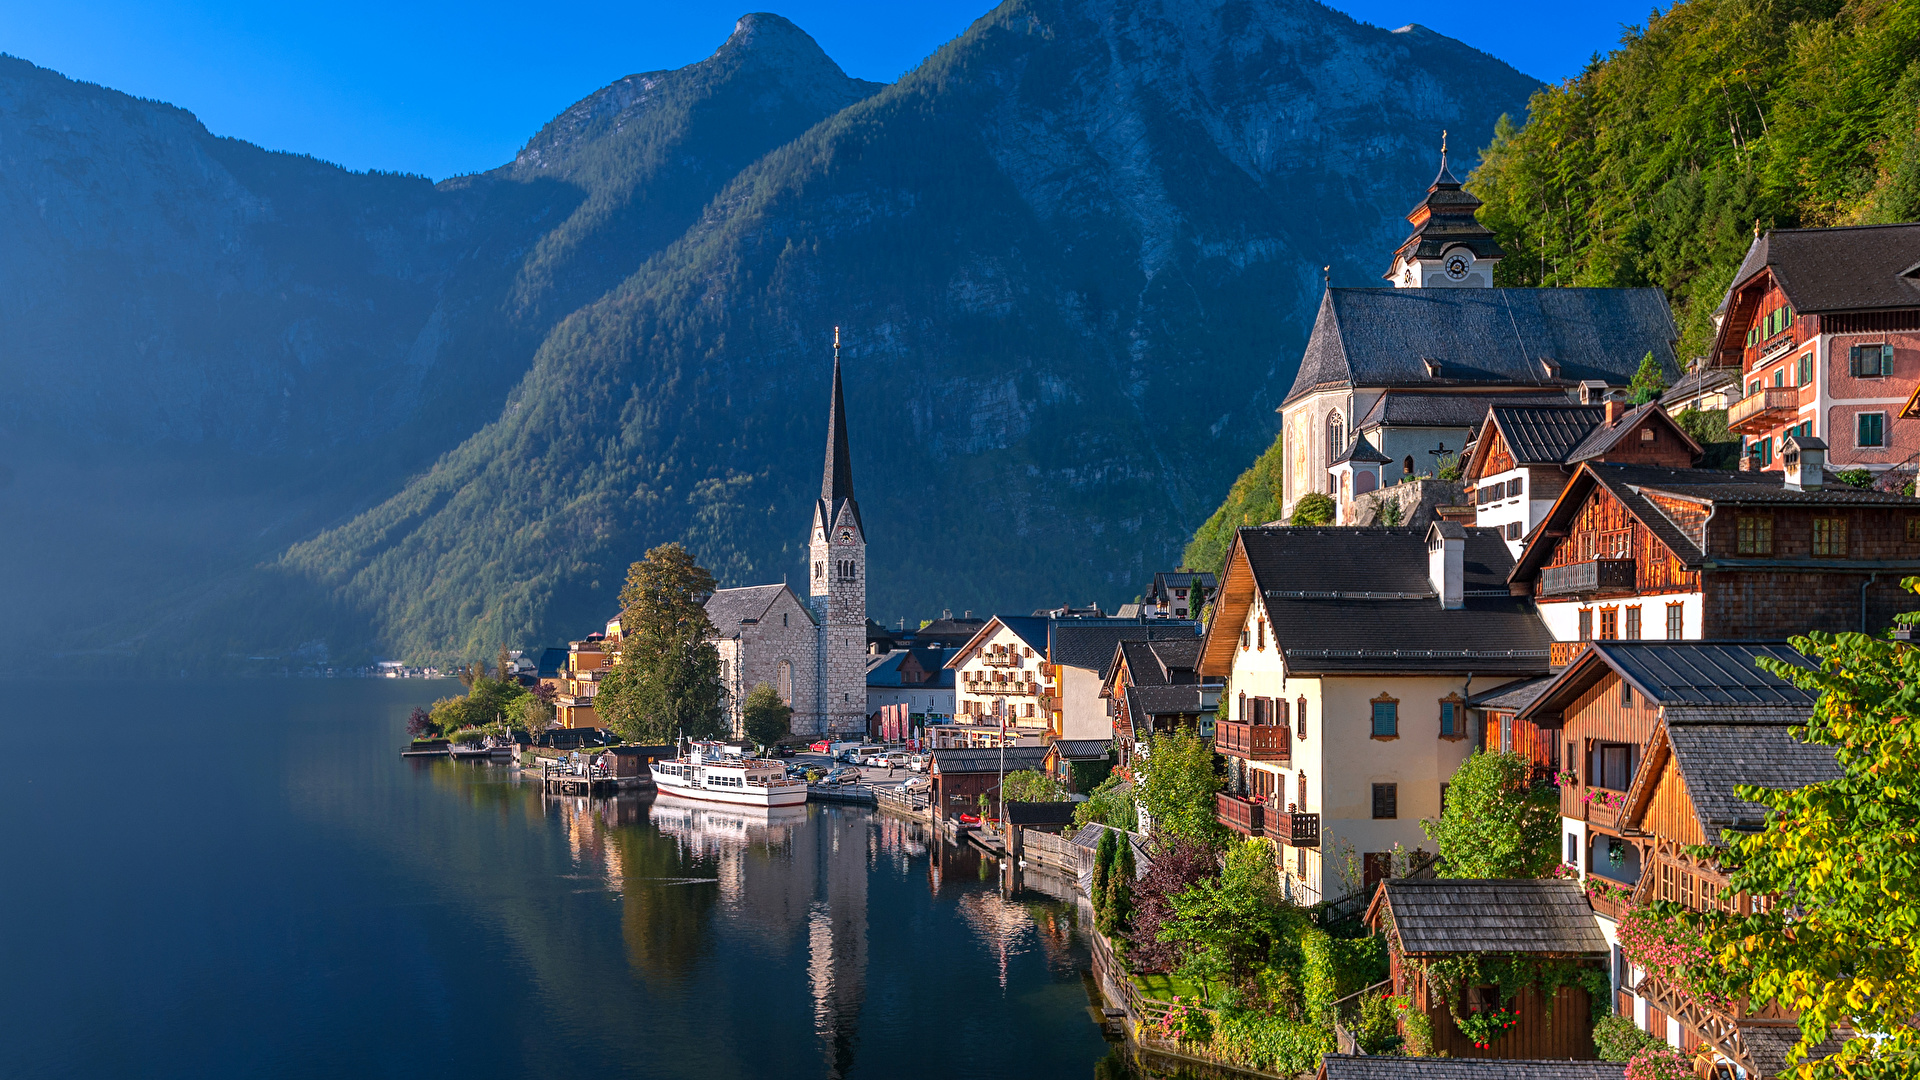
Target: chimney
(1613, 411)
(1446, 562)
(1804, 458)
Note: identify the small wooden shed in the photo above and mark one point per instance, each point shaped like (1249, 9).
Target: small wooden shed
(1533, 924)
(633, 760)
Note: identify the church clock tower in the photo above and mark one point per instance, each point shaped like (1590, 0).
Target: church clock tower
(837, 554)
(1449, 248)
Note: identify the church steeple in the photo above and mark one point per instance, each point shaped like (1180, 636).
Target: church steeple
(1449, 247)
(836, 483)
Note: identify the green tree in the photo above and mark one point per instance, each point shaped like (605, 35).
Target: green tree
(1497, 821)
(1254, 499)
(665, 680)
(1103, 857)
(766, 718)
(1842, 857)
(531, 714)
(1109, 804)
(1313, 509)
(1179, 787)
(1649, 382)
(1029, 785)
(1222, 926)
(1117, 911)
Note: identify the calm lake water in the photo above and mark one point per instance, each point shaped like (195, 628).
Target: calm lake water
(245, 879)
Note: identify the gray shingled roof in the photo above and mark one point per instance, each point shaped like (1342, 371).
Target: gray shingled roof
(1545, 434)
(1158, 663)
(985, 761)
(1848, 269)
(728, 608)
(1411, 408)
(1091, 643)
(1707, 672)
(1358, 599)
(1383, 1067)
(1362, 451)
(1040, 813)
(1081, 749)
(1463, 915)
(1513, 696)
(1768, 1046)
(1164, 700)
(1383, 337)
(1714, 759)
(1605, 437)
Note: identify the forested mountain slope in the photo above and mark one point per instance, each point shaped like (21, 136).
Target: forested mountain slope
(1073, 254)
(1656, 164)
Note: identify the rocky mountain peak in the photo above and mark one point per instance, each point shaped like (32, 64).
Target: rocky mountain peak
(768, 40)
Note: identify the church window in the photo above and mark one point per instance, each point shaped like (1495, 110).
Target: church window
(1407, 465)
(783, 618)
(786, 682)
(820, 568)
(1336, 436)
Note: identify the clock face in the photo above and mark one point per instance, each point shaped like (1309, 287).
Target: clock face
(1457, 266)
(846, 536)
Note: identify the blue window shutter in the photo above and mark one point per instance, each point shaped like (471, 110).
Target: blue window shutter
(1886, 359)
(1446, 718)
(1385, 718)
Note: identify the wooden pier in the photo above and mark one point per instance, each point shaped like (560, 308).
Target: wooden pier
(860, 794)
(561, 781)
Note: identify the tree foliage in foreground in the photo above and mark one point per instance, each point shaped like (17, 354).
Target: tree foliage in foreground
(1179, 785)
(1841, 942)
(665, 680)
(1497, 822)
(766, 718)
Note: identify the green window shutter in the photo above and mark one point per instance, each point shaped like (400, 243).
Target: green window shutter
(1886, 359)
(1853, 361)
(1446, 718)
(1806, 369)
(1386, 718)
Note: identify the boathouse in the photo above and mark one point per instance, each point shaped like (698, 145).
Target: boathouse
(960, 777)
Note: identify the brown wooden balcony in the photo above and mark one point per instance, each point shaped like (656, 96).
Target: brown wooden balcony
(1759, 413)
(1254, 742)
(1595, 577)
(1242, 815)
(1562, 653)
(1293, 828)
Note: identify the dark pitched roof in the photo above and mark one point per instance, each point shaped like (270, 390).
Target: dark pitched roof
(1081, 749)
(1512, 697)
(1847, 269)
(1383, 1067)
(1604, 437)
(1706, 672)
(1167, 580)
(1714, 759)
(1028, 628)
(1358, 599)
(1091, 644)
(1145, 701)
(1704, 380)
(1384, 337)
(1411, 408)
(884, 671)
(1545, 434)
(728, 608)
(1159, 662)
(976, 760)
(1362, 451)
(1443, 219)
(552, 659)
(1462, 915)
(1039, 813)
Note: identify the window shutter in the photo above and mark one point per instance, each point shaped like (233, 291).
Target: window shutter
(1446, 718)
(1385, 718)
(1853, 360)
(1886, 359)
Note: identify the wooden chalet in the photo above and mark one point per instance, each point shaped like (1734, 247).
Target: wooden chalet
(1545, 918)
(1525, 454)
(961, 776)
(1081, 764)
(1154, 687)
(1658, 735)
(1631, 552)
(1384, 1067)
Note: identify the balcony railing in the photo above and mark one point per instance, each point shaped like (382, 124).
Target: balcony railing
(1293, 828)
(1761, 412)
(985, 687)
(1000, 660)
(1587, 579)
(1254, 742)
(1562, 653)
(1242, 815)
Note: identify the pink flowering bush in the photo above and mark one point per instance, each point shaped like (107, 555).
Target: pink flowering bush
(1658, 939)
(1661, 1062)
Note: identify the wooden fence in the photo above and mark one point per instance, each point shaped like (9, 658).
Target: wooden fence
(1050, 851)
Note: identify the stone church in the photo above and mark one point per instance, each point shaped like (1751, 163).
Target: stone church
(812, 651)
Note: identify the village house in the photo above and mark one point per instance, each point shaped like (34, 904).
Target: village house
(1632, 552)
(1080, 764)
(1415, 367)
(1349, 656)
(916, 676)
(575, 684)
(1155, 687)
(1179, 594)
(1525, 454)
(1080, 652)
(1823, 326)
(1657, 737)
(1547, 920)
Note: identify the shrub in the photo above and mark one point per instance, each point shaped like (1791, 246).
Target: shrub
(419, 722)
(1616, 1039)
(1376, 1029)
(1110, 804)
(1659, 1062)
(1858, 478)
(1265, 1042)
(1313, 509)
(468, 736)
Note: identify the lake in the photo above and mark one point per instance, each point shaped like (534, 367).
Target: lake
(245, 879)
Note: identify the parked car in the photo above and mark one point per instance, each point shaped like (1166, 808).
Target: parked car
(843, 776)
(917, 763)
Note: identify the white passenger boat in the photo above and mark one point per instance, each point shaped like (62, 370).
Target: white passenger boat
(715, 772)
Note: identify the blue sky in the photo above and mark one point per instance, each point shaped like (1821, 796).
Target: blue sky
(442, 88)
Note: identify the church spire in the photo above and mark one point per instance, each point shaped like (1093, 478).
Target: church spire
(836, 482)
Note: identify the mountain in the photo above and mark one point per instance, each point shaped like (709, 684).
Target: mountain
(214, 350)
(1074, 254)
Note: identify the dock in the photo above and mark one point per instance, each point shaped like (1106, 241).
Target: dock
(563, 781)
(860, 794)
